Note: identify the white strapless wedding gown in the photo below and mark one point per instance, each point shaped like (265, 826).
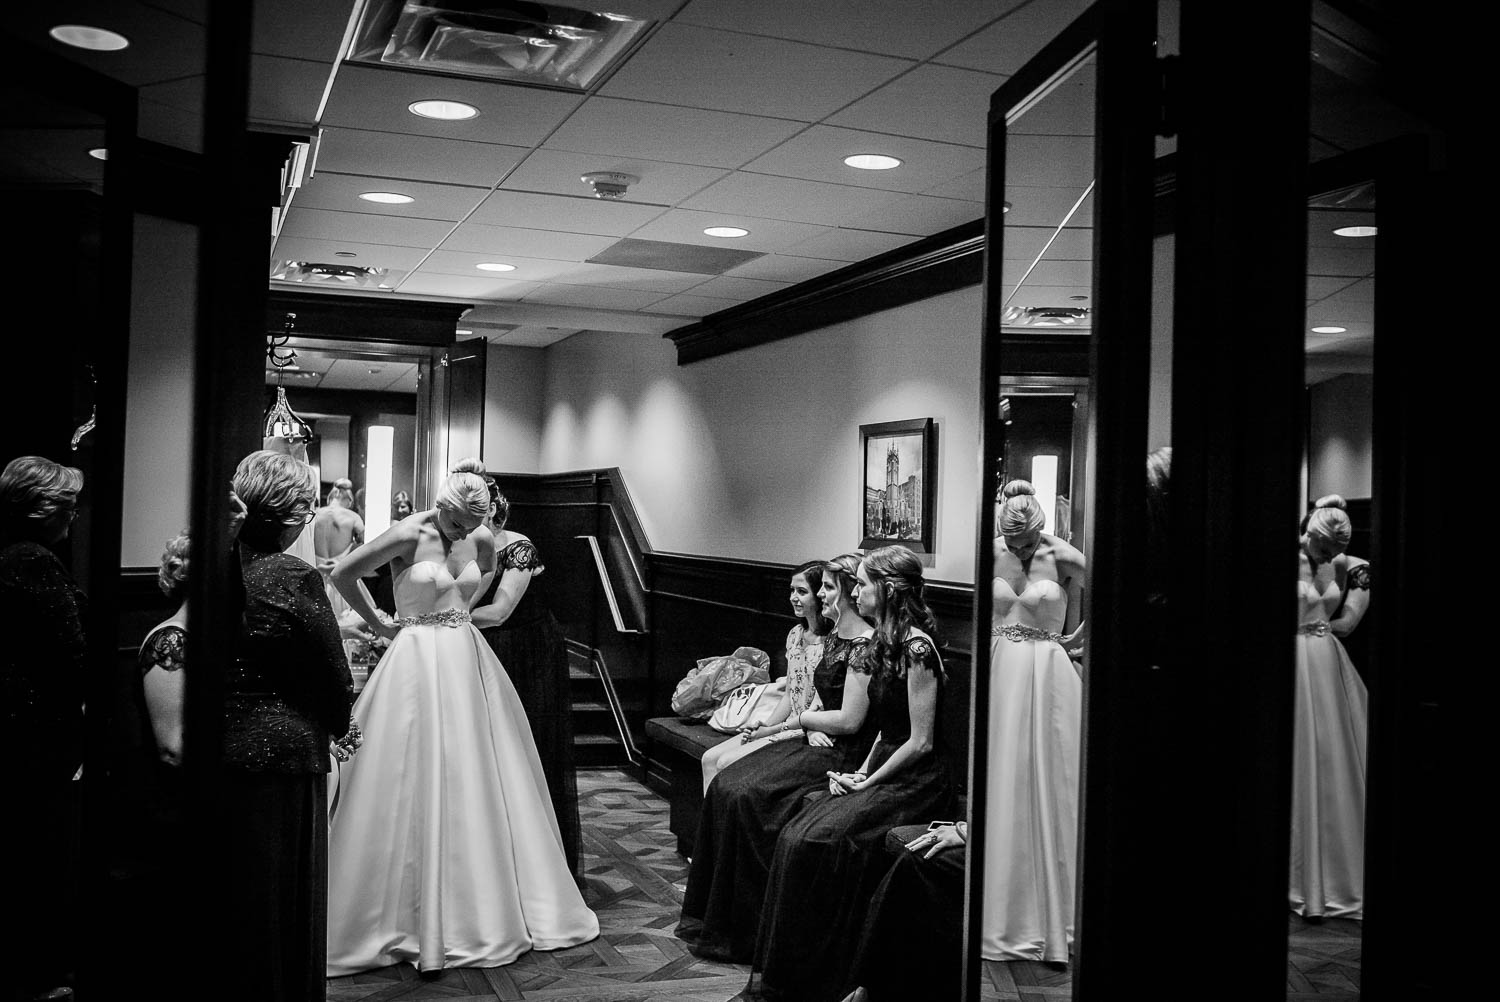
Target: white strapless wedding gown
(443, 847)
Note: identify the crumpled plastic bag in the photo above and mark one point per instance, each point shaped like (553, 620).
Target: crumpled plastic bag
(705, 686)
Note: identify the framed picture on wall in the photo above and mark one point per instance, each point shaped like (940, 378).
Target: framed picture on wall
(900, 483)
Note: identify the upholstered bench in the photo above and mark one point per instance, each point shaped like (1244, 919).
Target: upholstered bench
(674, 753)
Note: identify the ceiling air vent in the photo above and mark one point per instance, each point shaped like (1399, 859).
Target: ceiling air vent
(1046, 316)
(339, 276)
(659, 255)
(542, 44)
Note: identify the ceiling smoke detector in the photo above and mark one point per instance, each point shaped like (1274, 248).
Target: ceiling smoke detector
(609, 184)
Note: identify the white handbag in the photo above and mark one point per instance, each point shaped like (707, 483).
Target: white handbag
(748, 706)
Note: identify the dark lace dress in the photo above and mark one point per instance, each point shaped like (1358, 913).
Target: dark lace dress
(286, 693)
(917, 910)
(747, 806)
(531, 646)
(831, 854)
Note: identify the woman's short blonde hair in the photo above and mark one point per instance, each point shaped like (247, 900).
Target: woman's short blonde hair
(275, 488)
(34, 488)
(172, 574)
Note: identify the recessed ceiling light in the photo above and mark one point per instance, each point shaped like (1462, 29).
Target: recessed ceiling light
(872, 161)
(448, 111)
(1329, 330)
(82, 36)
(1355, 231)
(495, 266)
(1004, 208)
(1078, 298)
(99, 153)
(386, 197)
(345, 254)
(726, 231)
(462, 330)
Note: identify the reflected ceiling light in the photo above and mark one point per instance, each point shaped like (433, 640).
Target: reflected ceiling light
(99, 153)
(1329, 330)
(1004, 207)
(872, 161)
(345, 254)
(82, 36)
(462, 331)
(386, 197)
(726, 231)
(1355, 231)
(495, 266)
(447, 111)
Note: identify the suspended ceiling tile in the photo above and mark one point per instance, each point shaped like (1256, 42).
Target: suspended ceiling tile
(931, 102)
(367, 97)
(420, 158)
(737, 288)
(405, 382)
(1048, 273)
(286, 90)
(360, 374)
(1352, 261)
(361, 227)
(692, 306)
(1322, 222)
(850, 245)
(340, 192)
(558, 172)
(365, 255)
(509, 240)
(818, 155)
(300, 30)
(918, 215)
(193, 10)
(1024, 243)
(529, 269)
(892, 27)
(685, 226)
(458, 287)
(51, 154)
(1050, 161)
(784, 268)
(594, 297)
(185, 94)
(576, 214)
(788, 198)
(1323, 286)
(731, 71)
(162, 123)
(1067, 110)
(1047, 295)
(1048, 207)
(163, 46)
(1008, 44)
(532, 337)
(969, 187)
(616, 128)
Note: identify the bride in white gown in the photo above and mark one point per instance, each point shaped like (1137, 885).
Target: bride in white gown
(443, 847)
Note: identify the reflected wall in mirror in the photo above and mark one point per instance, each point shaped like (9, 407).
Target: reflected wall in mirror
(1334, 608)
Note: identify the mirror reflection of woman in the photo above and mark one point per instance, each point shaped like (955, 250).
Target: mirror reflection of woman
(752, 800)
(1331, 713)
(444, 851)
(1035, 732)
(804, 648)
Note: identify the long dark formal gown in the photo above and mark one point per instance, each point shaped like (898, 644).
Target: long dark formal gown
(532, 647)
(916, 911)
(828, 860)
(286, 693)
(747, 806)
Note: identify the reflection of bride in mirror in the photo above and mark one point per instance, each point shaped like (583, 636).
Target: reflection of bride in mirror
(1328, 758)
(1035, 714)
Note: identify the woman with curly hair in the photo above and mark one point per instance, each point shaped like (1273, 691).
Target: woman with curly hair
(1332, 714)
(752, 800)
(829, 860)
(444, 848)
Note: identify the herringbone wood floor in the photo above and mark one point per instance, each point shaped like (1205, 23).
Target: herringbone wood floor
(634, 884)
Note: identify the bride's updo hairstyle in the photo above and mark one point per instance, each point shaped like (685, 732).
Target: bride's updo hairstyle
(1329, 521)
(342, 493)
(276, 492)
(469, 464)
(1020, 511)
(843, 568)
(896, 574)
(465, 493)
(498, 501)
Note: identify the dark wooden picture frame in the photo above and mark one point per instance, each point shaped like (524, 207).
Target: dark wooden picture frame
(898, 473)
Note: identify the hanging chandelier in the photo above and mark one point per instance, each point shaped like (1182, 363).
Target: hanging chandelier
(281, 421)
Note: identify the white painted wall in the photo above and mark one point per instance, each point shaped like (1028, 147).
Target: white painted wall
(1159, 421)
(514, 384)
(159, 389)
(1340, 419)
(755, 454)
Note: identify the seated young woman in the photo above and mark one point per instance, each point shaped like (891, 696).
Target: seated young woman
(804, 649)
(828, 859)
(752, 800)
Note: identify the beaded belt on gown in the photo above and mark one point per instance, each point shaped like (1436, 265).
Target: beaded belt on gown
(1317, 628)
(448, 617)
(1019, 633)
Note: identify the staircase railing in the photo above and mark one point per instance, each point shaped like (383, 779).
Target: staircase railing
(611, 699)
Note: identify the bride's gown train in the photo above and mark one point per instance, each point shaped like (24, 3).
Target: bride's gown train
(443, 847)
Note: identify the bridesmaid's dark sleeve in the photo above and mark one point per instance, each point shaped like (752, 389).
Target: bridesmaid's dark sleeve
(861, 656)
(922, 654)
(330, 686)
